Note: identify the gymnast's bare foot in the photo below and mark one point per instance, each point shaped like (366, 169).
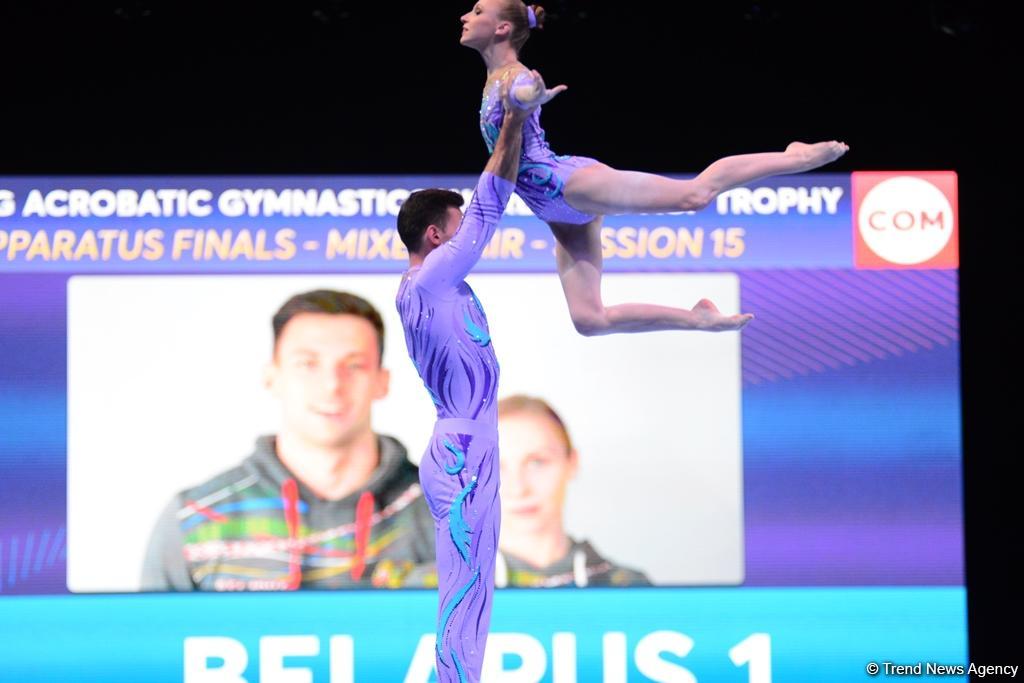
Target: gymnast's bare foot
(818, 154)
(710, 319)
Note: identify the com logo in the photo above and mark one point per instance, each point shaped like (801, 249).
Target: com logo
(905, 220)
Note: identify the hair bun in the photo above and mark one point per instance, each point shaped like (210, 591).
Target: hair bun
(539, 13)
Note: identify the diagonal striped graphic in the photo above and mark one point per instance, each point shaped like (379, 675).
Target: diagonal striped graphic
(26, 556)
(813, 321)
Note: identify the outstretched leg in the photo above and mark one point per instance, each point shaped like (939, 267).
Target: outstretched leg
(602, 190)
(578, 254)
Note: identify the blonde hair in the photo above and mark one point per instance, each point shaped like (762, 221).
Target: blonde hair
(529, 405)
(515, 11)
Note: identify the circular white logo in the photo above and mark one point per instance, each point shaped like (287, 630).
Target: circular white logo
(905, 220)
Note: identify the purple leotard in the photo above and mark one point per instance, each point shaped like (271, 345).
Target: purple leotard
(449, 342)
(542, 173)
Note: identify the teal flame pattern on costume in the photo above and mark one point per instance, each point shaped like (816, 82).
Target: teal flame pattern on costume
(476, 302)
(475, 332)
(447, 614)
(543, 176)
(460, 458)
(457, 525)
(458, 667)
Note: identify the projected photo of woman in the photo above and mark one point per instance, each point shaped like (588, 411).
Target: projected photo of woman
(538, 461)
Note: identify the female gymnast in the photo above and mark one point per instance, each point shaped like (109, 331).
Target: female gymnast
(572, 194)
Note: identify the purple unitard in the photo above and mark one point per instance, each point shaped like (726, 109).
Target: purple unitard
(542, 173)
(449, 342)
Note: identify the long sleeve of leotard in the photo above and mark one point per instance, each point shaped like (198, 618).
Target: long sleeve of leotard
(448, 265)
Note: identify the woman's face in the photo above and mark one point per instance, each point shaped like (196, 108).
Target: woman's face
(480, 24)
(536, 466)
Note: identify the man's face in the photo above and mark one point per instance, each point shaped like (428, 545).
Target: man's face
(326, 373)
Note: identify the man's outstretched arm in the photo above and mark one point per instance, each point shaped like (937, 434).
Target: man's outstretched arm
(504, 161)
(448, 265)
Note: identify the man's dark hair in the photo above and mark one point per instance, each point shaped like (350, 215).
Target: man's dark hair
(422, 209)
(329, 301)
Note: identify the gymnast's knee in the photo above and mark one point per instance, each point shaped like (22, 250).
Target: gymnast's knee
(697, 198)
(591, 323)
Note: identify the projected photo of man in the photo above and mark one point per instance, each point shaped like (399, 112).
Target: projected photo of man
(324, 503)
(173, 381)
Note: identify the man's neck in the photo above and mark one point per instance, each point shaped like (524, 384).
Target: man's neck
(331, 473)
(541, 549)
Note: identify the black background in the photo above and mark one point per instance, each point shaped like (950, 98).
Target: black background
(187, 87)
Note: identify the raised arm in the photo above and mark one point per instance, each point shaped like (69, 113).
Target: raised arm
(449, 264)
(504, 161)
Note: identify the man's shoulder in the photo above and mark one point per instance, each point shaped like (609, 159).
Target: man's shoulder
(412, 282)
(230, 477)
(234, 481)
(608, 572)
